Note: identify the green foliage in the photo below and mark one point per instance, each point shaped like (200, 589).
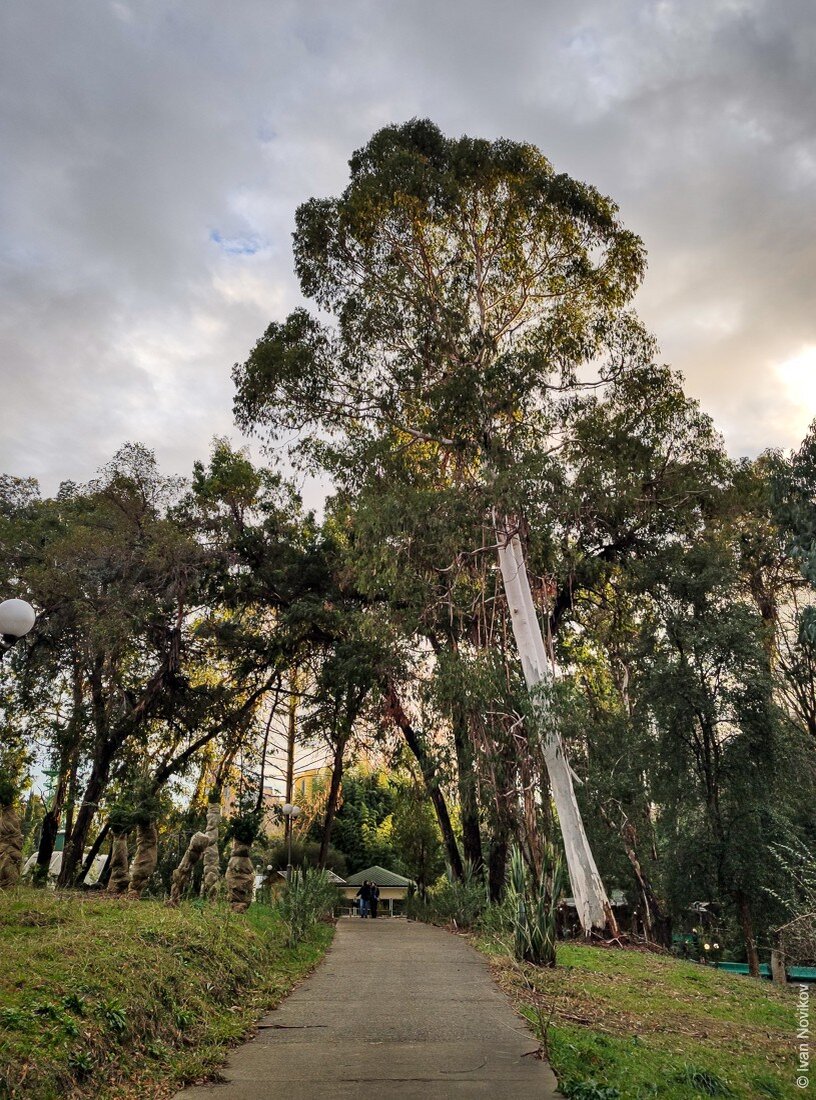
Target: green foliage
(307, 898)
(534, 906)
(458, 901)
(245, 822)
(8, 790)
(589, 1090)
(138, 806)
(651, 1027)
(113, 1016)
(360, 830)
(704, 1081)
(415, 836)
(304, 854)
(467, 206)
(100, 997)
(798, 865)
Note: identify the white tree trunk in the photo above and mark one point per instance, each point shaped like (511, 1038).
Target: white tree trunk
(199, 842)
(240, 876)
(119, 879)
(145, 858)
(212, 872)
(594, 910)
(11, 847)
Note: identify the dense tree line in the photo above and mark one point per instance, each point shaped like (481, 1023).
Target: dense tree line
(540, 583)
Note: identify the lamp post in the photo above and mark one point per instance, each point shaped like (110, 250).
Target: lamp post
(290, 812)
(16, 619)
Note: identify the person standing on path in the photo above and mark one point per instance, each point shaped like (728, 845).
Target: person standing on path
(364, 894)
(375, 899)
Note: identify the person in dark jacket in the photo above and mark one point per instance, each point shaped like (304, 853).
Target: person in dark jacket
(364, 895)
(375, 899)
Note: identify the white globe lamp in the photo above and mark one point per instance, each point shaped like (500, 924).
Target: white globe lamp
(16, 619)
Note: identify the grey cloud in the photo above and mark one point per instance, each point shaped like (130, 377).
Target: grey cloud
(136, 134)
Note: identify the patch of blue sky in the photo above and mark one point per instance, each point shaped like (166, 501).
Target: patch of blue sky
(238, 246)
(266, 133)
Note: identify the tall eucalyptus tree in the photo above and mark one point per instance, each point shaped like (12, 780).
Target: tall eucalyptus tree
(474, 293)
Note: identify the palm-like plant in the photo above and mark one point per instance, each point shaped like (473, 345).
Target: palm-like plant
(535, 907)
(307, 898)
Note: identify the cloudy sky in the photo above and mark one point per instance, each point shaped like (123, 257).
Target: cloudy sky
(153, 153)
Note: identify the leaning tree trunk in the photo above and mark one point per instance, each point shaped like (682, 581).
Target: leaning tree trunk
(212, 870)
(199, 843)
(592, 903)
(90, 857)
(145, 858)
(414, 742)
(75, 844)
(332, 801)
(468, 802)
(11, 847)
(119, 876)
(51, 822)
(240, 876)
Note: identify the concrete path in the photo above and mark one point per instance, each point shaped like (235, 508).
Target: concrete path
(396, 1010)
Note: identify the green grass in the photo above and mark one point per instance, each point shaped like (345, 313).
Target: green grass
(627, 1025)
(111, 998)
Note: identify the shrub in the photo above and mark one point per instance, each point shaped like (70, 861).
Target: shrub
(307, 898)
(497, 919)
(245, 823)
(535, 907)
(589, 1090)
(458, 901)
(703, 1081)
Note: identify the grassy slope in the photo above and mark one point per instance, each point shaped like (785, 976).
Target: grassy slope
(651, 1026)
(109, 998)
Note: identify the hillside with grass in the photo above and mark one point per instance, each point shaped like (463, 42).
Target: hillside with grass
(627, 1025)
(108, 998)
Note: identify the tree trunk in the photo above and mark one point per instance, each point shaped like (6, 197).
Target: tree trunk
(212, 870)
(657, 925)
(70, 801)
(414, 743)
(51, 821)
(11, 847)
(93, 852)
(291, 734)
(72, 853)
(778, 972)
(747, 924)
(48, 835)
(119, 876)
(199, 842)
(332, 801)
(497, 866)
(66, 784)
(594, 911)
(104, 874)
(469, 806)
(240, 877)
(145, 858)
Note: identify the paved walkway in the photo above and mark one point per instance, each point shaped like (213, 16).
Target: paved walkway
(396, 1010)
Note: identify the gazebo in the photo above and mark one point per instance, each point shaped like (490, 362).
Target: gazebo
(393, 887)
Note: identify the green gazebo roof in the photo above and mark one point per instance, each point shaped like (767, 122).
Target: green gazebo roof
(378, 875)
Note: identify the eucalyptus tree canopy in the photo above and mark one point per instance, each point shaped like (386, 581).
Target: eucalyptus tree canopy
(477, 302)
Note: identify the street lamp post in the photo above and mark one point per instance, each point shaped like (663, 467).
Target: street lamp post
(16, 619)
(290, 812)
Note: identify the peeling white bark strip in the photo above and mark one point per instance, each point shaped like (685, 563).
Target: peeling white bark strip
(594, 910)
